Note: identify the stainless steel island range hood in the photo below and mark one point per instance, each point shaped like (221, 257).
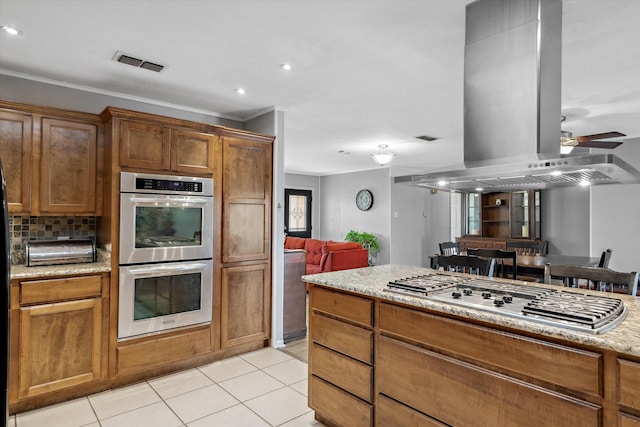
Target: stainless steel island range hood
(512, 76)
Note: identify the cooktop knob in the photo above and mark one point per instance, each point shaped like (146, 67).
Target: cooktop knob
(507, 298)
(456, 294)
(467, 291)
(498, 302)
(486, 294)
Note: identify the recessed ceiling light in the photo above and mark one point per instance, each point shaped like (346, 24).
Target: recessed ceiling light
(286, 66)
(241, 91)
(11, 30)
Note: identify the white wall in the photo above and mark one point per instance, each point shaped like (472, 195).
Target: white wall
(615, 216)
(409, 222)
(339, 214)
(311, 183)
(54, 94)
(565, 220)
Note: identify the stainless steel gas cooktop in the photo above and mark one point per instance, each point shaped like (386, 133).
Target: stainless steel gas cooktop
(556, 307)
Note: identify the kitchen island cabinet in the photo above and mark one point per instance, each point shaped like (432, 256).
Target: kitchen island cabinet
(438, 364)
(59, 336)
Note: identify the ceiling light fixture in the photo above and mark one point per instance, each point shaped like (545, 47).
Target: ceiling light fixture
(286, 66)
(382, 156)
(11, 30)
(240, 91)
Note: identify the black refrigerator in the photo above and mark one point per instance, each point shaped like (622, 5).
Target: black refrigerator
(5, 263)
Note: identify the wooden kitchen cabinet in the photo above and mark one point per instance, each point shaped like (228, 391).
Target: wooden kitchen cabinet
(52, 160)
(69, 167)
(504, 215)
(341, 358)
(157, 146)
(59, 333)
(246, 304)
(16, 154)
(245, 238)
(246, 192)
(627, 393)
(459, 393)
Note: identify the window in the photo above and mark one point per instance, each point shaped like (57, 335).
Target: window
(297, 208)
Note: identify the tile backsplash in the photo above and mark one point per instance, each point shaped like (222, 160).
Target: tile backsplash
(23, 228)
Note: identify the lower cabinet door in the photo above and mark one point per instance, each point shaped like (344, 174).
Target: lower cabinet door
(461, 394)
(338, 406)
(245, 306)
(394, 414)
(60, 346)
(625, 420)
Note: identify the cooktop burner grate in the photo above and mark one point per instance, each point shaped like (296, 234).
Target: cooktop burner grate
(555, 307)
(426, 284)
(585, 309)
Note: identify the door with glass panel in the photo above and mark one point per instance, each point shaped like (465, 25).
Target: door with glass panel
(297, 208)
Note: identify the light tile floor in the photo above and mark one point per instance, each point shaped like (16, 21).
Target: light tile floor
(263, 388)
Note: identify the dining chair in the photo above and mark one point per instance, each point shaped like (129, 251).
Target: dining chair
(449, 248)
(604, 259)
(605, 279)
(467, 264)
(500, 269)
(527, 247)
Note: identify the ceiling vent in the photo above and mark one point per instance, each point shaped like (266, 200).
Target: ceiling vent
(427, 138)
(123, 58)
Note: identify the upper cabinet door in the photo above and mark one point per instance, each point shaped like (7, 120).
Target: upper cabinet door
(68, 167)
(246, 211)
(145, 145)
(15, 151)
(192, 152)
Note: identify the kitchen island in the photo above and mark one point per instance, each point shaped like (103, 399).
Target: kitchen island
(381, 358)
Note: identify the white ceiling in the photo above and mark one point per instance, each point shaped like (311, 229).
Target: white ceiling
(365, 72)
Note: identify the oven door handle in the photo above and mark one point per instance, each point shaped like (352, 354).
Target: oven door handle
(155, 200)
(164, 271)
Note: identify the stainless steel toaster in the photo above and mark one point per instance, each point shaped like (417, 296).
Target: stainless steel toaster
(56, 252)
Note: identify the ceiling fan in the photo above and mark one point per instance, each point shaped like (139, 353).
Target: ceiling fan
(589, 141)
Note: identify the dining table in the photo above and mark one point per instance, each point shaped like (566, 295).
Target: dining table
(534, 264)
(539, 261)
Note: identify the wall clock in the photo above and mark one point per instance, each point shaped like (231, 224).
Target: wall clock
(364, 200)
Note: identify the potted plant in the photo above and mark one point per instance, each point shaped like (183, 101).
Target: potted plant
(368, 241)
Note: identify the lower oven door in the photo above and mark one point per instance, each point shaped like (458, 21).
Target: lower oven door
(158, 297)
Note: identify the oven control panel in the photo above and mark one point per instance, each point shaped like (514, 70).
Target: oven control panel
(144, 183)
(168, 185)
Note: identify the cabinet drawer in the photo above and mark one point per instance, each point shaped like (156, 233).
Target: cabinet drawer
(625, 420)
(628, 383)
(338, 405)
(151, 354)
(348, 374)
(564, 366)
(355, 309)
(347, 339)
(395, 414)
(40, 291)
(461, 394)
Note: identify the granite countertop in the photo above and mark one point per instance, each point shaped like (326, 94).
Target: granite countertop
(371, 281)
(102, 265)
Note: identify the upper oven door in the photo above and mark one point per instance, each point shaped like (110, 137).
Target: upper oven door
(155, 228)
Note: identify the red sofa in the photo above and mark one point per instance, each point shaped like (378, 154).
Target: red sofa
(323, 256)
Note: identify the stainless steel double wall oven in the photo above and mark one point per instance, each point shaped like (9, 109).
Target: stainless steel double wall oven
(166, 253)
